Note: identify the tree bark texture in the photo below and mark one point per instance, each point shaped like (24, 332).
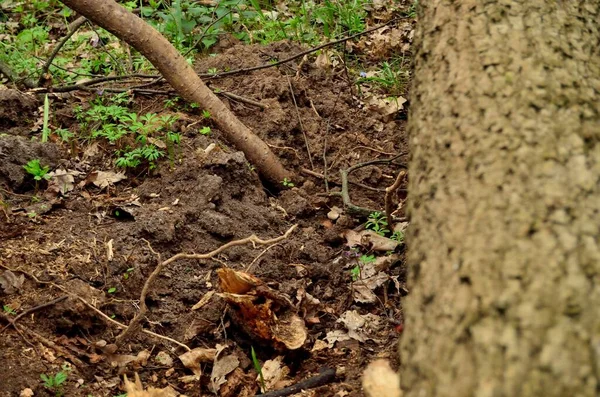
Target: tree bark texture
(174, 68)
(504, 255)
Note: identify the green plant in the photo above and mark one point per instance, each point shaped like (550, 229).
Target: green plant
(287, 183)
(128, 272)
(398, 236)
(112, 290)
(34, 168)
(45, 129)
(205, 131)
(8, 310)
(56, 382)
(258, 368)
(377, 223)
(355, 273)
(206, 114)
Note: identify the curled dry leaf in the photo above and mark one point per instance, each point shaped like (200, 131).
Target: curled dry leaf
(136, 389)
(380, 380)
(262, 312)
(10, 282)
(194, 357)
(104, 179)
(222, 367)
(370, 240)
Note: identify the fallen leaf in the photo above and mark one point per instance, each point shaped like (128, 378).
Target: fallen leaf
(380, 380)
(363, 289)
(26, 393)
(164, 358)
(103, 179)
(61, 181)
(194, 357)
(274, 373)
(370, 240)
(136, 389)
(10, 282)
(221, 368)
(204, 300)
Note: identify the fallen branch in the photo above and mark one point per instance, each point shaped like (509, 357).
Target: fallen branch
(182, 77)
(134, 323)
(327, 375)
(73, 27)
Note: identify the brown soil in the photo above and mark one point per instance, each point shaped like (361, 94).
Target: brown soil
(197, 207)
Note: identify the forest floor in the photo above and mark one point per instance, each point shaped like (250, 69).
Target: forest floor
(77, 247)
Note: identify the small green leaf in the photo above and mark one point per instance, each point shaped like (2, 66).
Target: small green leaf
(112, 290)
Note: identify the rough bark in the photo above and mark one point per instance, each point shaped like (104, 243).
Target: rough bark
(171, 64)
(504, 256)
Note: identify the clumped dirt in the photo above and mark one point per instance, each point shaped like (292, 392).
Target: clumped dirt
(102, 244)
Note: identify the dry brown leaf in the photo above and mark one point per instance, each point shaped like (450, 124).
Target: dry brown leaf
(380, 380)
(194, 357)
(204, 300)
(10, 282)
(135, 389)
(104, 179)
(369, 239)
(235, 282)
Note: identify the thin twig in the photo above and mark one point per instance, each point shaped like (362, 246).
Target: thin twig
(90, 82)
(249, 267)
(326, 376)
(133, 324)
(239, 98)
(33, 309)
(354, 209)
(74, 26)
(389, 192)
(322, 176)
(209, 76)
(312, 166)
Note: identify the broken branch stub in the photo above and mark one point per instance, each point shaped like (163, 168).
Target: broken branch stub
(174, 68)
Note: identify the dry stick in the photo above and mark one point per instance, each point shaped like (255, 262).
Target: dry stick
(301, 54)
(354, 209)
(236, 97)
(181, 76)
(87, 83)
(389, 191)
(312, 166)
(322, 176)
(133, 324)
(326, 376)
(73, 27)
(33, 309)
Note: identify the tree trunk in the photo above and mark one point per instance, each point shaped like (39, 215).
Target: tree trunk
(504, 256)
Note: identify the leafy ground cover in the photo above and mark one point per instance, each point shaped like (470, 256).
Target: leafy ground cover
(101, 182)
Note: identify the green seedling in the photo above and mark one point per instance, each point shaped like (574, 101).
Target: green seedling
(258, 368)
(377, 223)
(398, 236)
(45, 129)
(128, 273)
(363, 260)
(56, 382)
(8, 310)
(355, 273)
(35, 169)
(206, 114)
(287, 183)
(205, 131)
(111, 290)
